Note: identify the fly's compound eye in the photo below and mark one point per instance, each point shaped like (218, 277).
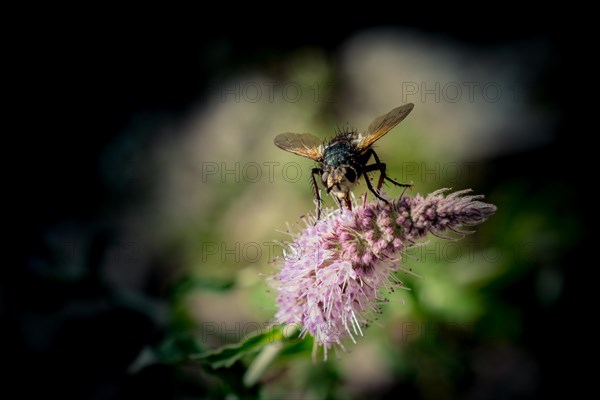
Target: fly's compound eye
(350, 174)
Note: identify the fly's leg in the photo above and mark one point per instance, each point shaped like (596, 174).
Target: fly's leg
(370, 186)
(381, 167)
(318, 172)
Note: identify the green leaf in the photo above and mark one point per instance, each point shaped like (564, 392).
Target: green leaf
(196, 283)
(261, 362)
(227, 355)
(172, 350)
(175, 349)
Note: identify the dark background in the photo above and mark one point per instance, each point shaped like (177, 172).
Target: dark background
(79, 83)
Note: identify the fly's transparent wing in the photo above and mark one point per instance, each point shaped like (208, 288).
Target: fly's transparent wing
(302, 144)
(382, 125)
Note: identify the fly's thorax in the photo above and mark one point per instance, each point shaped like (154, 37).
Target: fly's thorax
(340, 152)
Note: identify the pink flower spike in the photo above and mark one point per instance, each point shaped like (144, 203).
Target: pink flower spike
(335, 294)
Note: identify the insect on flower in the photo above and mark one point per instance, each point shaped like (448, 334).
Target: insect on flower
(343, 160)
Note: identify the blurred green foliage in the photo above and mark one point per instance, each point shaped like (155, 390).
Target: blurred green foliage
(461, 322)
